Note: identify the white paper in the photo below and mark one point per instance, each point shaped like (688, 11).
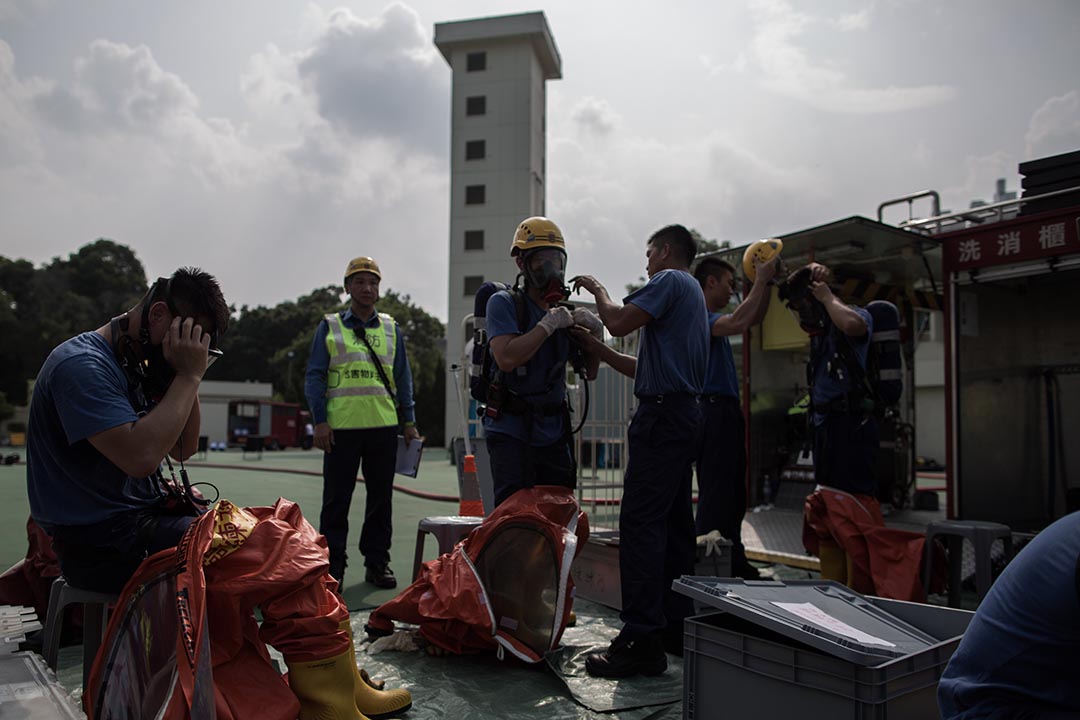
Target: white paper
(408, 458)
(812, 613)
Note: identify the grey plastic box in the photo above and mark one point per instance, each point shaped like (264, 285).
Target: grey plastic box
(29, 691)
(754, 659)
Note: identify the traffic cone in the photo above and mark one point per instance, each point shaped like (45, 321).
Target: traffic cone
(471, 503)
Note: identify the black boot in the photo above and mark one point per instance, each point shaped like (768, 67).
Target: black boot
(381, 577)
(628, 655)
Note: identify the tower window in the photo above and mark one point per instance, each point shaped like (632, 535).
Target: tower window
(475, 150)
(476, 105)
(472, 284)
(475, 62)
(475, 194)
(474, 239)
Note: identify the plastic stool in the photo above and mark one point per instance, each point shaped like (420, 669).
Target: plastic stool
(448, 530)
(95, 616)
(982, 536)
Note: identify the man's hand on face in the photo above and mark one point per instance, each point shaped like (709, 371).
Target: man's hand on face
(185, 347)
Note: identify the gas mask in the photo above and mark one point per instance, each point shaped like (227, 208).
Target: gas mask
(544, 270)
(796, 294)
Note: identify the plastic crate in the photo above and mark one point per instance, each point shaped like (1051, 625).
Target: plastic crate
(736, 667)
(596, 570)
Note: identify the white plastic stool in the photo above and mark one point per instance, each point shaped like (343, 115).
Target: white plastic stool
(448, 530)
(96, 607)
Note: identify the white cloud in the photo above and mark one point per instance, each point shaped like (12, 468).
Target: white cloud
(1055, 127)
(379, 77)
(595, 117)
(272, 207)
(790, 71)
(21, 10)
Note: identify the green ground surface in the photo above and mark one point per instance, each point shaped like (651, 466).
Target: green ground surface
(251, 481)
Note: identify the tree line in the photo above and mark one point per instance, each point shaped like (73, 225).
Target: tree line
(40, 307)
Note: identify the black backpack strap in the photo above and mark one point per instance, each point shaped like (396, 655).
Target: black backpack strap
(362, 334)
(520, 309)
(847, 353)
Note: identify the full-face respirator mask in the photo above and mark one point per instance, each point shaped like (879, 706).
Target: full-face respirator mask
(545, 270)
(796, 294)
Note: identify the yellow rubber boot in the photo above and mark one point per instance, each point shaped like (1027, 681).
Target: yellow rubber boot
(325, 688)
(834, 562)
(370, 698)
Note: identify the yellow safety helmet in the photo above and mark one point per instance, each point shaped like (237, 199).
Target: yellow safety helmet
(761, 250)
(362, 264)
(537, 232)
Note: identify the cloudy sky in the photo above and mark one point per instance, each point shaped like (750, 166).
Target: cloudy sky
(269, 141)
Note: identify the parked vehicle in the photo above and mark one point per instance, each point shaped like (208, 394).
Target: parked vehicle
(279, 424)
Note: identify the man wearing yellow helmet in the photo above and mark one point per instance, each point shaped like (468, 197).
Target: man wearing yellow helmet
(358, 381)
(527, 422)
(721, 462)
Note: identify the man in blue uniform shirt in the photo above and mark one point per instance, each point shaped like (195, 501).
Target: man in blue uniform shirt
(527, 426)
(656, 521)
(721, 462)
(1018, 658)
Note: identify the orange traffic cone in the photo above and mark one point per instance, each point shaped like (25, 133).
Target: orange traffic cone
(471, 502)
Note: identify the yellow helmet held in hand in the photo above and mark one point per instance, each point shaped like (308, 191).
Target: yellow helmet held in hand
(761, 250)
(537, 232)
(362, 264)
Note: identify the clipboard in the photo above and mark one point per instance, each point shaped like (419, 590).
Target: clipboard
(408, 458)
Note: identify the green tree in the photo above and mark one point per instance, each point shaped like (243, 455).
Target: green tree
(43, 307)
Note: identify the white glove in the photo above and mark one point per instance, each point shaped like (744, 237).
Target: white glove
(557, 317)
(590, 321)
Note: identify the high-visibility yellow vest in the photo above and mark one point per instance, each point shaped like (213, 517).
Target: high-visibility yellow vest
(355, 396)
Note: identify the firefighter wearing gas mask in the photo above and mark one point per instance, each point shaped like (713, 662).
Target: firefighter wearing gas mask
(844, 429)
(527, 425)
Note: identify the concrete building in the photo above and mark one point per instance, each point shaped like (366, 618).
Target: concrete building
(214, 397)
(497, 158)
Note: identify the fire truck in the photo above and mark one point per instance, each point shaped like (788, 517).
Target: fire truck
(1000, 283)
(278, 424)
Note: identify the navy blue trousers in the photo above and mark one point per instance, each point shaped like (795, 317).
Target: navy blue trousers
(845, 452)
(721, 475)
(373, 452)
(515, 465)
(656, 518)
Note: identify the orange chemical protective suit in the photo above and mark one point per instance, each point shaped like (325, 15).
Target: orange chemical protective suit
(183, 635)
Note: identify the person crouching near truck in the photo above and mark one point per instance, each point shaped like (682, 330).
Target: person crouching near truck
(844, 429)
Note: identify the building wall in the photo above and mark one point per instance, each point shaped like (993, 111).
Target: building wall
(214, 397)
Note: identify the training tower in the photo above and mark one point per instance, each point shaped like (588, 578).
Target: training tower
(497, 155)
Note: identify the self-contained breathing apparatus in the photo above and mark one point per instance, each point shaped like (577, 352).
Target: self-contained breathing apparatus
(540, 243)
(148, 379)
(875, 388)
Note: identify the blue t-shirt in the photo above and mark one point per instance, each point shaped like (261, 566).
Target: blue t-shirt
(828, 385)
(80, 391)
(1021, 647)
(544, 380)
(673, 349)
(720, 377)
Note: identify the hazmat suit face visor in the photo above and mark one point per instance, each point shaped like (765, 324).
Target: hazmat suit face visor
(545, 270)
